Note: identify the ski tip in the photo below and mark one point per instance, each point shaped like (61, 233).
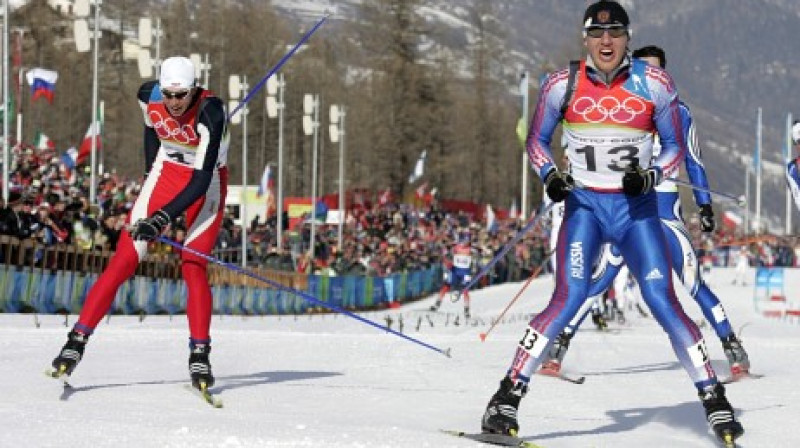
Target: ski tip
(53, 373)
(727, 439)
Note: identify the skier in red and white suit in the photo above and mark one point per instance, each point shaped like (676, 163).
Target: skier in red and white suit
(186, 146)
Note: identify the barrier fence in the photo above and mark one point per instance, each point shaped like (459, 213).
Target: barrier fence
(57, 278)
(775, 292)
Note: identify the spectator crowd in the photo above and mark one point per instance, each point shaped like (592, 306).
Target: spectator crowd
(49, 203)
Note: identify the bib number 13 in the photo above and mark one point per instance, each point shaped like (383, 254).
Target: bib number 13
(623, 154)
(533, 342)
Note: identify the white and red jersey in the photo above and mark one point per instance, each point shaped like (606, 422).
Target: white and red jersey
(462, 257)
(185, 139)
(196, 142)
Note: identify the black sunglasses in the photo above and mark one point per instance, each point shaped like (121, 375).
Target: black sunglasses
(174, 95)
(613, 31)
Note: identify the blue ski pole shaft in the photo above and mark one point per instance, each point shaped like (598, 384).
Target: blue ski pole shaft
(302, 294)
(274, 69)
(741, 202)
(531, 223)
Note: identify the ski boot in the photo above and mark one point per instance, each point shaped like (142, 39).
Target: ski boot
(466, 312)
(719, 414)
(200, 367)
(555, 357)
(70, 354)
(501, 412)
(599, 321)
(737, 356)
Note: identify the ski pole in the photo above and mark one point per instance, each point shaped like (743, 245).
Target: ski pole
(532, 222)
(534, 274)
(740, 201)
(277, 66)
(303, 295)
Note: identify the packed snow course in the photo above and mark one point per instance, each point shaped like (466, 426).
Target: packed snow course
(331, 381)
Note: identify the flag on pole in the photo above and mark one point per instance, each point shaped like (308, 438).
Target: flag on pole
(491, 220)
(420, 191)
(68, 164)
(42, 82)
(419, 168)
(265, 188)
(85, 149)
(731, 219)
(522, 131)
(512, 212)
(385, 197)
(42, 142)
(266, 184)
(10, 107)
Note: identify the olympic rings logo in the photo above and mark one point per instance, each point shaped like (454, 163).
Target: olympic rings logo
(170, 128)
(608, 108)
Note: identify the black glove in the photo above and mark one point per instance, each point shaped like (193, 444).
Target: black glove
(148, 229)
(638, 180)
(558, 185)
(707, 222)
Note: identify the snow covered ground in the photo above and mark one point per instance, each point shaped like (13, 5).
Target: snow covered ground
(335, 382)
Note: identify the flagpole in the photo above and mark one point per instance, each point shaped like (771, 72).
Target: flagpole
(101, 154)
(5, 104)
(787, 157)
(747, 196)
(279, 204)
(758, 177)
(243, 200)
(342, 201)
(93, 158)
(524, 199)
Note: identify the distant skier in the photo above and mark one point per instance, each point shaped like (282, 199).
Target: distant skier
(458, 272)
(742, 265)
